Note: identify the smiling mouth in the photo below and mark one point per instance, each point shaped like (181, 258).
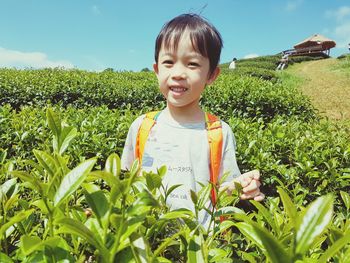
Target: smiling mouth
(178, 89)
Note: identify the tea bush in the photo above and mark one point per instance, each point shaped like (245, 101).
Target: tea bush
(312, 155)
(230, 95)
(56, 213)
(64, 198)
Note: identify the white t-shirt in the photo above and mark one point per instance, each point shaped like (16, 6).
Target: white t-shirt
(184, 150)
(232, 65)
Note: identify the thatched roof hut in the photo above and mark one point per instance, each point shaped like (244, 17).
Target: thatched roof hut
(316, 40)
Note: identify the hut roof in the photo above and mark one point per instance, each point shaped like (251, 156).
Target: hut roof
(316, 40)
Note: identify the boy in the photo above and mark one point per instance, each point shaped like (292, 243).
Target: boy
(187, 54)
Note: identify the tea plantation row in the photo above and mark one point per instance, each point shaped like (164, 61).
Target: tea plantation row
(231, 95)
(47, 153)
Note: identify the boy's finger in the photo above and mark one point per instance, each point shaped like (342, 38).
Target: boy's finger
(259, 197)
(250, 195)
(254, 174)
(253, 185)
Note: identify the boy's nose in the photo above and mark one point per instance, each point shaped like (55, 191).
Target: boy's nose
(179, 72)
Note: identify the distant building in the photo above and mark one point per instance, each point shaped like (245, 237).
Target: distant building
(315, 45)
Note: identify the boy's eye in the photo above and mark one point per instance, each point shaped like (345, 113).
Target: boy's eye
(193, 64)
(167, 62)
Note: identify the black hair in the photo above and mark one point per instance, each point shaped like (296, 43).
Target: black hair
(205, 38)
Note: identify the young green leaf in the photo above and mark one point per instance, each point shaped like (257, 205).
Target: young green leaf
(316, 218)
(73, 180)
(46, 161)
(75, 227)
(31, 243)
(195, 251)
(288, 205)
(15, 219)
(273, 249)
(6, 187)
(346, 199)
(65, 138)
(334, 248)
(100, 206)
(266, 214)
(54, 122)
(113, 164)
(140, 248)
(5, 258)
(153, 181)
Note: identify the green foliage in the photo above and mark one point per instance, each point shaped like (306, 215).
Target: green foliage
(64, 197)
(125, 212)
(311, 158)
(109, 215)
(78, 88)
(234, 95)
(247, 97)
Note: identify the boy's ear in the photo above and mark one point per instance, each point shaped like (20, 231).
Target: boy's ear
(213, 76)
(155, 68)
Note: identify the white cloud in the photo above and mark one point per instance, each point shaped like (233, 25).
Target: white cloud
(342, 32)
(251, 56)
(340, 14)
(18, 59)
(293, 5)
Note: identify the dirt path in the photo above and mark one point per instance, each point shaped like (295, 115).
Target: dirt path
(328, 89)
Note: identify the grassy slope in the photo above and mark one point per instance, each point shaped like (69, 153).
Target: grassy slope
(327, 85)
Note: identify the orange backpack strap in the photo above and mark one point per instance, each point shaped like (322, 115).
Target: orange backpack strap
(143, 132)
(215, 138)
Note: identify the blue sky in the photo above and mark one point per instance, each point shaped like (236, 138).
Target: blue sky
(94, 35)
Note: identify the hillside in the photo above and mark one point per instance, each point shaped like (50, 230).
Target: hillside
(327, 85)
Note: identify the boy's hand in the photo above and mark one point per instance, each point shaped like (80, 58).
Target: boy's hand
(250, 182)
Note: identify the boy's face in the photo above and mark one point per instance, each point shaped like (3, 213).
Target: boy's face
(183, 74)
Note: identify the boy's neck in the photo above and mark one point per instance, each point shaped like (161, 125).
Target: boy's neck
(185, 114)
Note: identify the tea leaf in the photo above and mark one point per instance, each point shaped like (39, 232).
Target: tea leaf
(99, 205)
(195, 251)
(46, 161)
(346, 199)
(333, 249)
(66, 136)
(176, 214)
(266, 214)
(72, 181)
(113, 164)
(75, 227)
(266, 241)
(288, 205)
(6, 187)
(153, 181)
(315, 220)
(31, 243)
(33, 181)
(172, 188)
(13, 220)
(162, 171)
(227, 211)
(106, 176)
(140, 248)
(194, 197)
(165, 244)
(132, 227)
(5, 258)
(54, 122)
